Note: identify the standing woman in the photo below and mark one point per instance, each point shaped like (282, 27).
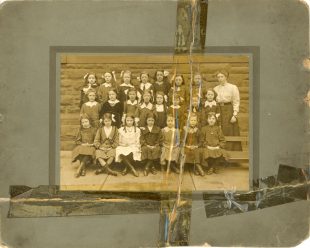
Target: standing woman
(228, 99)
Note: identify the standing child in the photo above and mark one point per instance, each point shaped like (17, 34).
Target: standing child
(145, 85)
(171, 145)
(191, 144)
(131, 105)
(210, 105)
(178, 88)
(114, 107)
(161, 84)
(145, 107)
(160, 110)
(90, 82)
(105, 87)
(129, 150)
(177, 111)
(85, 150)
(151, 139)
(212, 142)
(91, 108)
(106, 141)
(125, 86)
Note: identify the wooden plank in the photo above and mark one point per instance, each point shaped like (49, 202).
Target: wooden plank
(236, 138)
(153, 59)
(238, 156)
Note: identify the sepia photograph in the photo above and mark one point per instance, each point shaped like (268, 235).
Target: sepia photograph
(145, 122)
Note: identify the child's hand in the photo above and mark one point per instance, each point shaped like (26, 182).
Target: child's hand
(233, 119)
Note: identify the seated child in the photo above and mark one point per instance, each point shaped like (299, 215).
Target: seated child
(191, 135)
(84, 152)
(106, 141)
(129, 149)
(212, 142)
(171, 145)
(151, 139)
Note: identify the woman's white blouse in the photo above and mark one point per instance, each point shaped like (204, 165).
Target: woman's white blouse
(228, 93)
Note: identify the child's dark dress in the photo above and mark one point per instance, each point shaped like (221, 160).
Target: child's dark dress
(123, 91)
(92, 110)
(212, 142)
(151, 138)
(164, 87)
(84, 136)
(181, 91)
(161, 115)
(143, 111)
(115, 109)
(192, 140)
(131, 108)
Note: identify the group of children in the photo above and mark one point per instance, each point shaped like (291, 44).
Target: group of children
(154, 123)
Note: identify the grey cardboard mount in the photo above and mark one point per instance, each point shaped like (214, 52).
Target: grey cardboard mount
(29, 28)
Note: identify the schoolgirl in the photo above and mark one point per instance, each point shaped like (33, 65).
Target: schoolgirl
(129, 150)
(105, 87)
(84, 152)
(160, 110)
(106, 141)
(90, 82)
(144, 108)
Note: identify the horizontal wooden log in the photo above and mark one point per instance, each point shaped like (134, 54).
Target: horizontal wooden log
(153, 58)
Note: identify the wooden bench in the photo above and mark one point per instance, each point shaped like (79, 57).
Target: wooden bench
(238, 156)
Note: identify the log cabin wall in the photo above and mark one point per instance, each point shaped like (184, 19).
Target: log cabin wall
(74, 67)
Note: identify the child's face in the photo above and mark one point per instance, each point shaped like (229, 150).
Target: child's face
(146, 98)
(91, 79)
(85, 123)
(197, 79)
(107, 77)
(210, 96)
(150, 121)
(144, 78)
(195, 102)
(112, 95)
(91, 96)
(160, 76)
(126, 78)
(211, 120)
(221, 78)
(129, 121)
(170, 122)
(193, 121)
(178, 81)
(159, 99)
(132, 95)
(107, 122)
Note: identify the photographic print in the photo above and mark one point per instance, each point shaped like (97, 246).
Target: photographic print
(129, 122)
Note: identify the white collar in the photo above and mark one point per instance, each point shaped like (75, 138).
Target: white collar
(149, 106)
(91, 104)
(150, 129)
(160, 83)
(135, 102)
(113, 102)
(127, 85)
(159, 108)
(147, 85)
(167, 129)
(210, 104)
(175, 107)
(190, 129)
(107, 84)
